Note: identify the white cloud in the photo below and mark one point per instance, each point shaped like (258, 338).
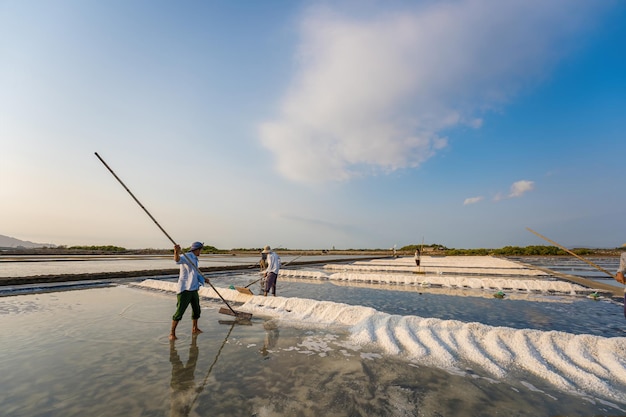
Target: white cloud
(519, 188)
(472, 200)
(374, 95)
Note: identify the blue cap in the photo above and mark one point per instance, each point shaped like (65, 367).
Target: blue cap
(196, 245)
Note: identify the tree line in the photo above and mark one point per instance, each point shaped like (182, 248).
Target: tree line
(533, 250)
(119, 249)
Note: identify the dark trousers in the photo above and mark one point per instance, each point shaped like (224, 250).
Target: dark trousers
(270, 283)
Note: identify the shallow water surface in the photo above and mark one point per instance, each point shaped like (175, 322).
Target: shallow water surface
(104, 352)
(574, 266)
(572, 314)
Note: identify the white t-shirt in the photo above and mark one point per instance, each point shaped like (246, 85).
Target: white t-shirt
(188, 279)
(273, 263)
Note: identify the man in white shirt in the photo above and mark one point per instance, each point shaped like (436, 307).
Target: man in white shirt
(271, 273)
(189, 281)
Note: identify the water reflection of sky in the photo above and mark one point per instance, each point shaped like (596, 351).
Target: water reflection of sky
(574, 266)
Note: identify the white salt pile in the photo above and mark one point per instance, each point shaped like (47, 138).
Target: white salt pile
(302, 273)
(483, 265)
(590, 366)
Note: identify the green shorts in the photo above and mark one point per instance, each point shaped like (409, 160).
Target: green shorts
(184, 299)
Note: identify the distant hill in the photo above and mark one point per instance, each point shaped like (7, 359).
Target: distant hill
(11, 242)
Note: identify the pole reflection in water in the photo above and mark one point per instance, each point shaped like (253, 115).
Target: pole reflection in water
(184, 394)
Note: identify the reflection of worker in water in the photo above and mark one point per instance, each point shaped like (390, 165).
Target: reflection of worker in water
(182, 383)
(271, 337)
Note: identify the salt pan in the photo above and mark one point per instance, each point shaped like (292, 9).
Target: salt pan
(582, 364)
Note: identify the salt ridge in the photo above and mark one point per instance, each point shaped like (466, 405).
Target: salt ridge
(493, 283)
(469, 282)
(587, 365)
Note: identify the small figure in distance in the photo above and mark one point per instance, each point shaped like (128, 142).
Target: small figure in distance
(417, 257)
(619, 276)
(189, 281)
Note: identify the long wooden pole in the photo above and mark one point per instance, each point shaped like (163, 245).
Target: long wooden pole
(299, 256)
(188, 261)
(572, 253)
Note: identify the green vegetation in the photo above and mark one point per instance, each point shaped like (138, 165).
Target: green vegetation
(107, 248)
(513, 251)
(534, 250)
(425, 248)
(119, 249)
(208, 249)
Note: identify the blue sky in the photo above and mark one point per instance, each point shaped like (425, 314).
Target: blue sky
(311, 125)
